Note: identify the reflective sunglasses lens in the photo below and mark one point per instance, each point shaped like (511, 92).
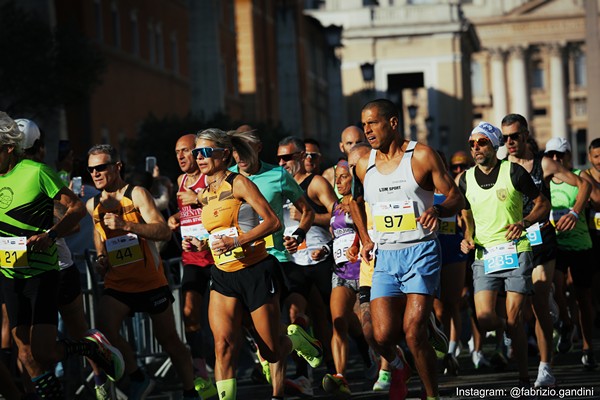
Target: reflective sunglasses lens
(206, 152)
(99, 168)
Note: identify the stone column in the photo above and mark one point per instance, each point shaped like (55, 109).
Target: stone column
(558, 93)
(519, 88)
(498, 85)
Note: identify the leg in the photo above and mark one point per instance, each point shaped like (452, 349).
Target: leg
(341, 303)
(225, 316)
(542, 277)
(485, 309)
(387, 314)
(111, 315)
(514, 325)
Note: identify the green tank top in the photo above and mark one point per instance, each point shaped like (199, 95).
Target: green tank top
(563, 198)
(26, 209)
(494, 208)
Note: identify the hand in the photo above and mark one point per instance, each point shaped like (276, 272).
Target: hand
(290, 243)
(466, 245)
(113, 221)
(40, 242)
(188, 198)
(367, 251)
(173, 222)
(566, 222)
(316, 255)
(429, 219)
(514, 231)
(222, 244)
(352, 253)
(191, 243)
(295, 214)
(101, 265)
(345, 208)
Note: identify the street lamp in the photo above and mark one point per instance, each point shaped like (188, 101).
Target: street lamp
(333, 36)
(368, 73)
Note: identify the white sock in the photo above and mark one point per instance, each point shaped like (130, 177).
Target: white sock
(452, 347)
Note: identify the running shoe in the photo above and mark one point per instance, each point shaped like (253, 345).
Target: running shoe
(104, 391)
(337, 386)
(299, 386)
(545, 377)
(400, 376)
(305, 345)
(479, 359)
(565, 340)
(383, 382)
(106, 356)
(437, 338)
(266, 369)
(450, 365)
(205, 387)
(588, 360)
(373, 367)
(139, 390)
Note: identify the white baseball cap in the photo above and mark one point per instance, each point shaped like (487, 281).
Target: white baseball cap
(558, 144)
(30, 130)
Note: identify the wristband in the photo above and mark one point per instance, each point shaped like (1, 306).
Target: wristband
(100, 256)
(326, 250)
(299, 235)
(438, 209)
(236, 242)
(574, 213)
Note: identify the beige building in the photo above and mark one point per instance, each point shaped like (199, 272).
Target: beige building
(464, 61)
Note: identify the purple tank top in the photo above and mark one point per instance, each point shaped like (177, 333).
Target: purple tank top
(343, 236)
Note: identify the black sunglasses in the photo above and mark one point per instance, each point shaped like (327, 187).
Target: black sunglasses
(458, 166)
(287, 157)
(559, 154)
(99, 167)
(513, 136)
(312, 154)
(481, 142)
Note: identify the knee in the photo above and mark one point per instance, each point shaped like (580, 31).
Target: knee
(415, 335)
(340, 326)
(486, 321)
(224, 345)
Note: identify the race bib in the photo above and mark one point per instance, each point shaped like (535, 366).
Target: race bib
(195, 230)
(595, 221)
(447, 226)
(534, 234)
(501, 258)
(124, 250)
(395, 216)
(229, 256)
(13, 252)
(555, 215)
(289, 231)
(340, 246)
(269, 243)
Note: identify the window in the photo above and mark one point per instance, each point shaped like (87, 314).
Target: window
(580, 107)
(477, 79)
(580, 69)
(116, 25)
(98, 20)
(537, 75)
(135, 34)
(175, 52)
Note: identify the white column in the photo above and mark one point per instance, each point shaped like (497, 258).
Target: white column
(558, 94)
(498, 85)
(519, 92)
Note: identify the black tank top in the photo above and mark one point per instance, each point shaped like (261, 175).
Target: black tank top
(304, 185)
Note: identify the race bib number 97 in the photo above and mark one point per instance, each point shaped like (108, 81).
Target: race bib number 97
(394, 216)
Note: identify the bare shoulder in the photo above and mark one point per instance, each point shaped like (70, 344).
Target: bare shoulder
(426, 156)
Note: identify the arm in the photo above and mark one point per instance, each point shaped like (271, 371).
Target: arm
(306, 220)
(329, 175)
(101, 264)
(321, 191)
(541, 208)
(595, 194)
(358, 212)
(468, 244)
(154, 226)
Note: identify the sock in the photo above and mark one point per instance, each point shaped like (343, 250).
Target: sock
(100, 379)
(452, 347)
(195, 340)
(227, 389)
(48, 386)
(137, 375)
(544, 365)
(397, 363)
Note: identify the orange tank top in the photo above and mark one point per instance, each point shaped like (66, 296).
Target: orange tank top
(135, 265)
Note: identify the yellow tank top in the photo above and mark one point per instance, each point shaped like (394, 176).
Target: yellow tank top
(223, 214)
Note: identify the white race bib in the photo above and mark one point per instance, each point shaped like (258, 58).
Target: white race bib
(340, 245)
(394, 216)
(124, 249)
(534, 234)
(500, 258)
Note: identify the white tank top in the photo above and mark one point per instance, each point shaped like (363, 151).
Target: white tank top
(396, 199)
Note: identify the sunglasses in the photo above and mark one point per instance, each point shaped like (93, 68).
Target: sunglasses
(99, 167)
(458, 166)
(482, 142)
(559, 154)
(206, 152)
(312, 155)
(513, 136)
(287, 157)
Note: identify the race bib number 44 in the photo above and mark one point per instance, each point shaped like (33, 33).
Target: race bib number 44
(500, 258)
(123, 250)
(394, 216)
(13, 252)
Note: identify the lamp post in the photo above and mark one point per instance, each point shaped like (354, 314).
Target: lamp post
(412, 114)
(368, 73)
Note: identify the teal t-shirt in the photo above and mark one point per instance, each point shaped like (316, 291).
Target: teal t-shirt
(276, 185)
(26, 209)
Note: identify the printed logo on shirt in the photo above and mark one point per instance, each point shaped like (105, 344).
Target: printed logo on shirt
(6, 197)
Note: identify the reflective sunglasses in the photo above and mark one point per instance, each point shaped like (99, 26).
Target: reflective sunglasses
(481, 142)
(513, 136)
(312, 154)
(206, 152)
(454, 167)
(99, 167)
(287, 157)
(559, 154)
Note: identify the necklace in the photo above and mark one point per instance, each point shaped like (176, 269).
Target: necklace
(218, 179)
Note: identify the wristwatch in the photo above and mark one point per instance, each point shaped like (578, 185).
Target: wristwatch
(52, 234)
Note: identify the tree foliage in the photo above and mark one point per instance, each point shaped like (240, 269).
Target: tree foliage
(41, 68)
